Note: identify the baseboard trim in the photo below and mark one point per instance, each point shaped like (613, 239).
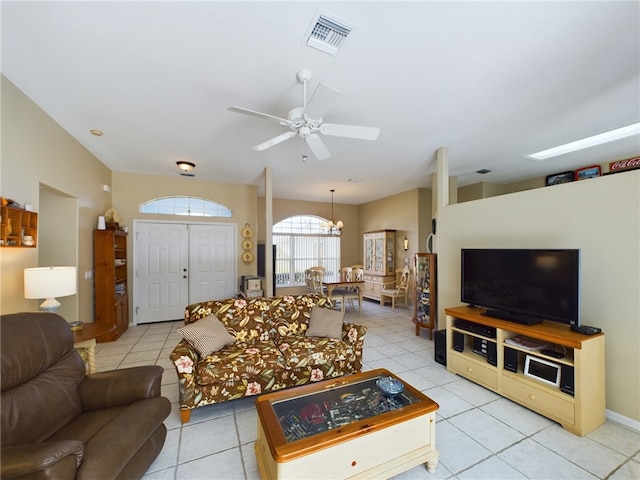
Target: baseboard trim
(622, 420)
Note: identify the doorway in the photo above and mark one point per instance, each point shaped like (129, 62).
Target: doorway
(178, 264)
(58, 240)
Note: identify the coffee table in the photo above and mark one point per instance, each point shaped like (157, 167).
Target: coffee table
(345, 428)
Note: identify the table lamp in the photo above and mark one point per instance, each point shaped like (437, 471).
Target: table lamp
(48, 283)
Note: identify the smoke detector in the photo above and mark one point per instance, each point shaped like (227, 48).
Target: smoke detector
(327, 33)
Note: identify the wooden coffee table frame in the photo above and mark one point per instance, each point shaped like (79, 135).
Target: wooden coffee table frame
(377, 447)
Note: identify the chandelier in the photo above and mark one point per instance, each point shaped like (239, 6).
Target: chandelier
(331, 227)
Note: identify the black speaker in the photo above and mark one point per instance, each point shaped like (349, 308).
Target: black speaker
(458, 341)
(510, 359)
(566, 379)
(440, 347)
(492, 353)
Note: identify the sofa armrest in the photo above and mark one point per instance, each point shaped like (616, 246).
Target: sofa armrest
(59, 459)
(353, 332)
(120, 387)
(184, 359)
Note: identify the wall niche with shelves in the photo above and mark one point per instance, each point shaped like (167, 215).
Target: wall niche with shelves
(16, 226)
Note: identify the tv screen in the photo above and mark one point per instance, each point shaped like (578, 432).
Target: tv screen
(523, 285)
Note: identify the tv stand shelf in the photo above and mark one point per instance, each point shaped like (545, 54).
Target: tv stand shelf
(579, 411)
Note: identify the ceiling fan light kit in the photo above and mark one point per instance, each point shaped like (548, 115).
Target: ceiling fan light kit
(306, 121)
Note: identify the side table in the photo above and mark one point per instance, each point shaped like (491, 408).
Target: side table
(84, 340)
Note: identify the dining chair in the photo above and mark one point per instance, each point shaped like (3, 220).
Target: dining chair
(353, 292)
(401, 289)
(339, 294)
(313, 279)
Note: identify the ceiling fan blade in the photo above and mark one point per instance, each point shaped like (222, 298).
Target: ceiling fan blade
(351, 131)
(322, 99)
(316, 145)
(274, 141)
(253, 113)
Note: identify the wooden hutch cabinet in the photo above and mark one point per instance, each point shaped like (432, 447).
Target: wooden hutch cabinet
(379, 261)
(425, 312)
(111, 283)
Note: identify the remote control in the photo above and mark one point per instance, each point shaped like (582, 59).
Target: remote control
(585, 330)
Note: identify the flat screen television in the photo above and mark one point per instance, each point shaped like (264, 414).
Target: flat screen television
(523, 285)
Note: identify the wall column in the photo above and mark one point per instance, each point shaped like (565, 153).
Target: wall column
(268, 234)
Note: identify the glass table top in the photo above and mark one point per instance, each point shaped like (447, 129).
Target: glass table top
(306, 415)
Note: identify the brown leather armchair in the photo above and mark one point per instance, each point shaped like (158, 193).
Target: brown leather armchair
(58, 422)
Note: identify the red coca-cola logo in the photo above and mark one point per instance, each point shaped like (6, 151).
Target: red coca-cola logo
(628, 163)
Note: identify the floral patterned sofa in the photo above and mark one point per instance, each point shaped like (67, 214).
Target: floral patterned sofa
(270, 350)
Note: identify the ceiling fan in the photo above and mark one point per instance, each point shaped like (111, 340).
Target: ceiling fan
(306, 121)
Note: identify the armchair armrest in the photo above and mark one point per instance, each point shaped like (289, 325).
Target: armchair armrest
(353, 332)
(120, 387)
(59, 459)
(185, 358)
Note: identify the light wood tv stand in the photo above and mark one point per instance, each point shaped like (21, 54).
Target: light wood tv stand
(579, 413)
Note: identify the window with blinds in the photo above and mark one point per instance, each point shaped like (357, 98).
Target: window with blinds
(300, 245)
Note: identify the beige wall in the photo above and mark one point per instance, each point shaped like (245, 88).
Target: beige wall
(130, 190)
(409, 213)
(601, 216)
(37, 151)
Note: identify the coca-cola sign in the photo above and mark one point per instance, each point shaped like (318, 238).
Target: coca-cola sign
(624, 164)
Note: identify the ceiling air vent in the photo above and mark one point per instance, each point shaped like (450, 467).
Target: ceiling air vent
(327, 34)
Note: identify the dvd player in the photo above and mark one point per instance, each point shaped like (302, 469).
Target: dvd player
(476, 328)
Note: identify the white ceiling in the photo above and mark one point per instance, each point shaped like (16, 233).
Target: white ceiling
(492, 81)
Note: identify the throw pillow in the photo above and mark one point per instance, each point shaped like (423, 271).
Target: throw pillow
(325, 322)
(207, 335)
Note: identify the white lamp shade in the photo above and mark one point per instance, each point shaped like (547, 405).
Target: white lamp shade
(49, 282)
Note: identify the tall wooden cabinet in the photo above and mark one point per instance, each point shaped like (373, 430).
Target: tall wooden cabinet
(111, 283)
(379, 261)
(425, 311)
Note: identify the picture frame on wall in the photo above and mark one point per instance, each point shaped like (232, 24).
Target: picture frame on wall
(588, 172)
(558, 178)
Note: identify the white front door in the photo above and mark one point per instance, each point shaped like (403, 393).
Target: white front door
(161, 272)
(212, 259)
(178, 264)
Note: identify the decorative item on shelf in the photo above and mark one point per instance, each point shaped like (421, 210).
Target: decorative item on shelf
(624, 165)
(113, 219)
(27, 241)
(48, 283)
(102, 224)
(588, 172)
(558, 178)
(332, 227)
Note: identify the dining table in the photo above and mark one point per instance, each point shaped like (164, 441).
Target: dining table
(336, 282)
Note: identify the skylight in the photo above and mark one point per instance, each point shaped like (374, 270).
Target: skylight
(588, 142)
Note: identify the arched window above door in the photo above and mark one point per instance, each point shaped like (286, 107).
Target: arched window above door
(183, 205)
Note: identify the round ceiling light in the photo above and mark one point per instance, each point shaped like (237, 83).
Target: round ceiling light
(185, 167)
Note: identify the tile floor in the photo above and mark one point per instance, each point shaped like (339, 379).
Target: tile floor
(479, 434)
